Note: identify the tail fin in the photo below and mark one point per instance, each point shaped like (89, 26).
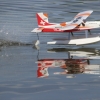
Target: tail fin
(42, 72)
(42, 19)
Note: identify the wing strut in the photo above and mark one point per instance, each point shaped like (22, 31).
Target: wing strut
(72, 33)
(86, 33)
(38, 36)
(89, 32)
(37, 42)
(69, 36)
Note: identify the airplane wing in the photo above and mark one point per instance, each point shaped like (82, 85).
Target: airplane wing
(78, 19)
(84, 14)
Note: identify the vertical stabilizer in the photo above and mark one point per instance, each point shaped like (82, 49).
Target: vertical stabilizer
(42, 19)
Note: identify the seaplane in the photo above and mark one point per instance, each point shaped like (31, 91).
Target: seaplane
(78, 23)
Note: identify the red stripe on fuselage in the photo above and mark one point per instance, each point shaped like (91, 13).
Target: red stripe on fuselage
(58, 30)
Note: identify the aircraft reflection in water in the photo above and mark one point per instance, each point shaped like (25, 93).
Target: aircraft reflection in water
(69, 67)
(88, 53)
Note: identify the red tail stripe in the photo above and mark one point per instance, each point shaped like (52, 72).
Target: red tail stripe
(41, 21)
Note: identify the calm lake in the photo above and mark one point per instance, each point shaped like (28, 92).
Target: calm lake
(42, 73)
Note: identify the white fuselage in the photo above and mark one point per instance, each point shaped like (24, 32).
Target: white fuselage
(94, 24)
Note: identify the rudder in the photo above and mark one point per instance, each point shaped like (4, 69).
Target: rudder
(42, 19)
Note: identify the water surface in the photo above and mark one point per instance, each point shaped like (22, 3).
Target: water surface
(18, 57)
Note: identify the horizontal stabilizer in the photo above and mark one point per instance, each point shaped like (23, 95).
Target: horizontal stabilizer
(37, 30)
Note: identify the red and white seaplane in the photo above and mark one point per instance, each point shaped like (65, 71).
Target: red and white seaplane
(78, 23)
